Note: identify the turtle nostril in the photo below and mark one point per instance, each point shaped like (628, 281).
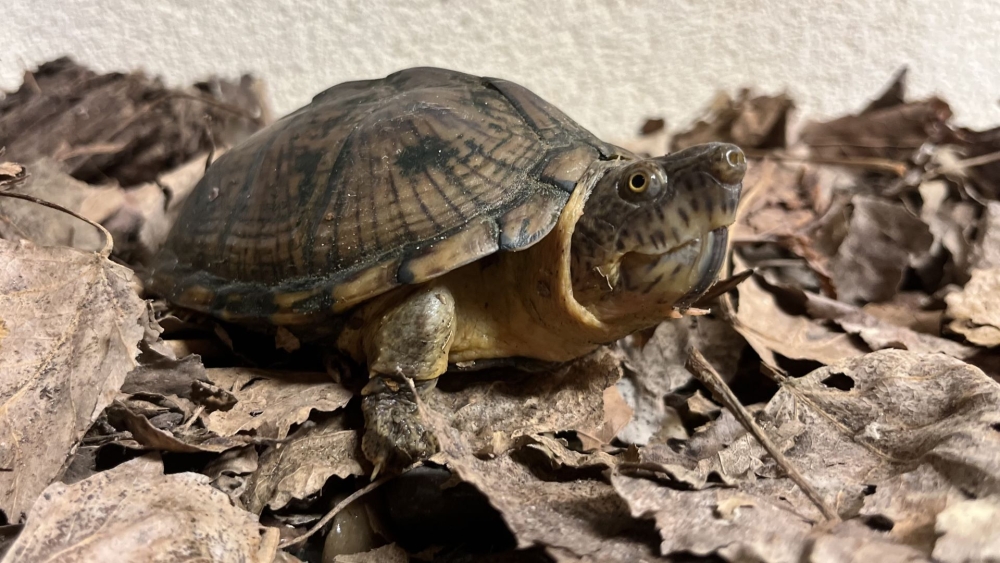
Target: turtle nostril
(732, 167)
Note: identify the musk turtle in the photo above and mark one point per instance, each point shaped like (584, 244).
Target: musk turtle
(432, 218)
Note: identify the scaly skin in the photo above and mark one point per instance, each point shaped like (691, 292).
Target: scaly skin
(652, 233)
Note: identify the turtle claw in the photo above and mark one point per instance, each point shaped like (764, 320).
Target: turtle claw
(395, 436)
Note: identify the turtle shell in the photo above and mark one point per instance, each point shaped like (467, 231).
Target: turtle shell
(374, 184)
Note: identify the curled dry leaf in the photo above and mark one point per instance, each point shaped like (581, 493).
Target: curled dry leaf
(270, 402)
(300, 466)
(770, 330)
(654, 368)
(976, 309)
(69, 328)
(888, 128)
(50, 227)
(493, 411)
(11, 173)
(143, 221)
(879, 334)
(180, 439)
(883, 240)
(136, 513)
(753, 122)
(575, 520)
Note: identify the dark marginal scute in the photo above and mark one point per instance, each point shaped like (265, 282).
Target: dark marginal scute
(245, 301)
(404, 274)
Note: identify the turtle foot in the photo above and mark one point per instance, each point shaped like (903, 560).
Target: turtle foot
(395, 435)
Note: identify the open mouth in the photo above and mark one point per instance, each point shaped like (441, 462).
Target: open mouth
(713, 254)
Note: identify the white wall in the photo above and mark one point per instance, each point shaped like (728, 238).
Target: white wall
(608, 64)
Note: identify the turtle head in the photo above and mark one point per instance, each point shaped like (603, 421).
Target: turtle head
(653, 233)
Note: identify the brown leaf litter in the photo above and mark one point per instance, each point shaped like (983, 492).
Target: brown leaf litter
(70, 329)
(873, 244)
(136, 513)
(123, 126)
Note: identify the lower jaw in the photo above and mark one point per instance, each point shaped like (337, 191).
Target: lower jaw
(713, 254)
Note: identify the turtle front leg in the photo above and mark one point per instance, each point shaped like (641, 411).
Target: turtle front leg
(411, 341)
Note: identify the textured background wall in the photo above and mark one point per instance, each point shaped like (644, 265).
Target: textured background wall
(608, 64)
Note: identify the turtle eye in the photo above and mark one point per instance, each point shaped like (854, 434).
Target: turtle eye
(638, 182)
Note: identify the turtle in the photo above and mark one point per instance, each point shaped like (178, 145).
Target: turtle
(433, 219)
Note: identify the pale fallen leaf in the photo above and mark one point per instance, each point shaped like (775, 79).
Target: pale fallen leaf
(909, 503)
(71, 325)
(136, 513)
(299, 467)
(271, 402)
(970, 531)
(554, 453)
(986, 250)
(142, 223)
(976, 309)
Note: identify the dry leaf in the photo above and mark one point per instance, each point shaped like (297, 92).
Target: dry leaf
(888, 128)
(970, 531)
(166, 376)
(136, 513)
(300, 466)
(770, 330)
(986, 253)
(386, 554)
(583, 518)
(655, 368)
(748, 121)
(127, 127)
(271, 402)
(909, 503)
(857, 426)
(493, 409)
(49, 227)
(976, 309)
(179, 440)
(884, 239)
(878, 334)
(736, 525)
(231, 472)
(11, 173)
(142, 223)
(69, 328)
